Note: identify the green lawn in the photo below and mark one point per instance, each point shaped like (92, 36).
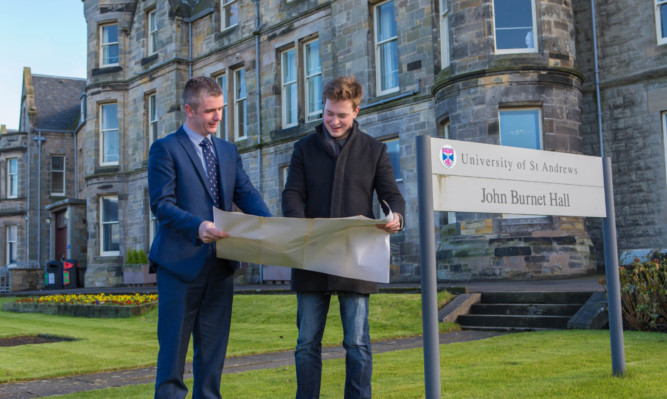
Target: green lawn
(554, 364)
(260, 323)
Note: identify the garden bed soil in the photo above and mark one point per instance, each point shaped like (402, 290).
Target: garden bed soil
(31, 339)
(68, 309)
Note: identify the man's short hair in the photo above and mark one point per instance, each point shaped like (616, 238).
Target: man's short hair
(197, 87)
(344, 88)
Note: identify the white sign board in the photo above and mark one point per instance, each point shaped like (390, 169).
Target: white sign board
(487, 178)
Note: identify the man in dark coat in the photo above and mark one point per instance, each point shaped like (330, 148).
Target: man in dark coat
(333, 173)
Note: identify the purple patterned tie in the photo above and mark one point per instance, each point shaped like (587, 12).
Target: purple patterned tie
(212, 170)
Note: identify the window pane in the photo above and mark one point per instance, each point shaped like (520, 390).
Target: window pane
(111, 146)
(313, 58)
(11, 233)
(231, 14)
(110, 117)
(109, 209)
(289, 67)
(240, 84)
(289, 91)
(111, 233)
(386, 28)
(389, 65)
(12, 178)
(315, 94)
(57, 163)
(153, 108)
(313, 71)
(11, 239)
(291, 103)
(110, 44)
(514, 24)
(110, 34)
(57, 183)
(663, 20)
(241, 119)
(520, 128)
(240, 107)
(394, 152)
(222, 126)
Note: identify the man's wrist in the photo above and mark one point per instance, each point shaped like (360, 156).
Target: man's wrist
(401, 220)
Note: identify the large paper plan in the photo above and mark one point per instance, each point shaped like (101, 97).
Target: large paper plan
(348, 247)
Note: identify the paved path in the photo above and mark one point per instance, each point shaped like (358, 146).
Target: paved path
(88, 382)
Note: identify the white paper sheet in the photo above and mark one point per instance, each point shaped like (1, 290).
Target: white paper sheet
(348, 247)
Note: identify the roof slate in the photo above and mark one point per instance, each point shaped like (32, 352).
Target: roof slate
(57, 100)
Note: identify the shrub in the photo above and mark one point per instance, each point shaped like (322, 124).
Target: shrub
(135, 257)
(644, 295)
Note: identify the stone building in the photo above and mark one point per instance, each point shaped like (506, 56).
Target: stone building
(38, 166)
(505, 72)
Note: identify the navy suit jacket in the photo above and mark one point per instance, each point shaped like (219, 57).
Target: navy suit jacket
(180, 200)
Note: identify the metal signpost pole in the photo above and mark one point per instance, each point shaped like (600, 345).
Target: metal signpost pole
(428, 274)
(613, 278)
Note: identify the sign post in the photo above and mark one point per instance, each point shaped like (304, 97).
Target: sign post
(428, 273)
(462, 176)
(613, 278)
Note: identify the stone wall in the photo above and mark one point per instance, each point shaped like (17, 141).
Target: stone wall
(524, 248)
(26, 279)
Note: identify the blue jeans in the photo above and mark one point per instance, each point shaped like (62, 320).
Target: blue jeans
(311, 317)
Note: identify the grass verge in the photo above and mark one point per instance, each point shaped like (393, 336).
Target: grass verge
(260, 323)
(553, 364)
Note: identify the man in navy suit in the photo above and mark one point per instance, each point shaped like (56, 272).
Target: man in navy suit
(189, 172)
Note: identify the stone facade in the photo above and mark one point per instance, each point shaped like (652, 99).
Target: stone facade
(633, 97)
(462, 99)
(48, 121)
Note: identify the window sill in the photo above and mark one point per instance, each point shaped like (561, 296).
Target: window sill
(106, 70)
(225, 32)
(107, 169)
(149, 60)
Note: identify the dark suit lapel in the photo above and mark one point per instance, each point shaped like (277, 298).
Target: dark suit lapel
(189, 148)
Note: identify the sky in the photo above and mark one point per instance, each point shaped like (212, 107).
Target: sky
(49, 36)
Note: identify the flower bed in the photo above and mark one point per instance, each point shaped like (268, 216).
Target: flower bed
(98, 305)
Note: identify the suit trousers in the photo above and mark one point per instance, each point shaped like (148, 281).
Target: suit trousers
(201, 308)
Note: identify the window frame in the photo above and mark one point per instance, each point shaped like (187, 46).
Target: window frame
(12, 178)
(151, 31)
(62, 172)
(308, 78)
(104, 45)
(289, 88)
(221, 80)
(240, 102)
(659, 22)
(444, 34)
(11, 244)
(104, 223)
(103, 132)
(224, 5)
(534, 49)
(152, 117)
(378, 44)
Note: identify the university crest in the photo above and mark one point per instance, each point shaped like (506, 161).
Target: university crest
(448, 156)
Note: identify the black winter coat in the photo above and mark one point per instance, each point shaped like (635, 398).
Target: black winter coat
(321, 185)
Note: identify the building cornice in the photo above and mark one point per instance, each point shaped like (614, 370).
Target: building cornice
(444, 80)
